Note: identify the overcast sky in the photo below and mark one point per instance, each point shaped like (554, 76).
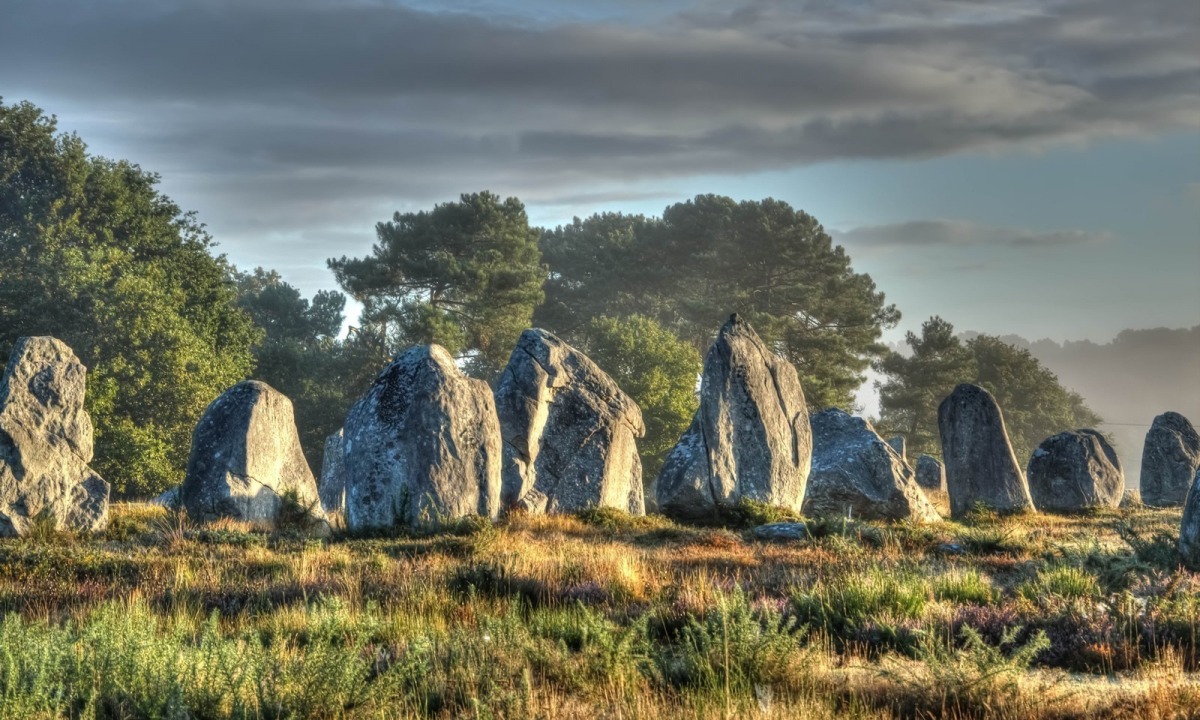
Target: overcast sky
(1024, 166)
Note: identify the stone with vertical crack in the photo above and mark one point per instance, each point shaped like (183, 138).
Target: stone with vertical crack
(750, 438)
(570, 433)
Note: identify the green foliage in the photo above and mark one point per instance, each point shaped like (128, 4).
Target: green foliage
(656, 369)
(963, 679)
(1034, 404)
(916, 384)
(969, 587)
(96, 256)
(1063, 583)
(733, 648)
(712, 256)
(844, 605)
(466, 275)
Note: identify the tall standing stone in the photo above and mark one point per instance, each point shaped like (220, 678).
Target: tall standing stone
(46, 442)
(570, 434)
(422, 446)
(332, 485)
(1075, 470)
(246, 462)
(1189, 529)
(750, 438)
(1169, 460)
(931, 474)
(856, 473)
(980, 464)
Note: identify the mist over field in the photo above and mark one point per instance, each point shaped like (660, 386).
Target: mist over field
(1129, 380)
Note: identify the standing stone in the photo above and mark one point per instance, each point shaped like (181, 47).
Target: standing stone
(900, 446)
(980, 464)
(422, 446)
(931, 474)
(1169, 460)
(46, 442)
(1189, 530)
(246, 461)
(332, 486)
(1075, 470)
(570, 434)
(856, 473)
(750, 438)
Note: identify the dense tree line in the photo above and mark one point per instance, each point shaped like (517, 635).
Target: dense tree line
(95, 255)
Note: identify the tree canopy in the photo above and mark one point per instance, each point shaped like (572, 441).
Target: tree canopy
(466, 275)
(96, 256)
(712, 256)
(1034, 403)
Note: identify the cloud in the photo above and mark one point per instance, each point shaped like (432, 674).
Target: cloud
(279, 114)
(961, 233)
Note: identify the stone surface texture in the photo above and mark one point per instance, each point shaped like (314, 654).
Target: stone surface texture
(1189, 529)
(332, 485)
(855, 473)
(931, 474)
(1170, 458)
(749, 439)
(570, 434)
(246, 461)
(1074, 471)
(980, 464)
(46, 442)
(422, 446)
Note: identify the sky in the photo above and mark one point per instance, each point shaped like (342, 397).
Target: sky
(1021, 166)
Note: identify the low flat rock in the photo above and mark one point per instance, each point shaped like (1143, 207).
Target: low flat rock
(246, 462)
(46, 442)
(749, 439)
(1075, 471)
(570, 433)
(980, 465)
(781, 532)
(1189, 529)
(1170, 458)
(855, 473)
(422, 446)
(332, 486)
(931, 474)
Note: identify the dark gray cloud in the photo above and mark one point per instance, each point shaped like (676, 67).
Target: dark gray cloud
(962, 233)
(281, 114)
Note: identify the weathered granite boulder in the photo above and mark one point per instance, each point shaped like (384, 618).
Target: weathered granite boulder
(980, 464)
(931, 474)
(422, 446)
(855, 473)
(1074, 471)
(46, 442)
(1189, 529)
(750, 438)
(1169, 460)
(900, 446)
(570, 434)
(246, 461)
(332, 486)
(168, 499)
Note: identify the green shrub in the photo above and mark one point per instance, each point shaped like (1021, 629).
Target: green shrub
(964, 588)
(1063, 582)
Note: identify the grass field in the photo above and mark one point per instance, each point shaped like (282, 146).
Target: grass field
(604, 616)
